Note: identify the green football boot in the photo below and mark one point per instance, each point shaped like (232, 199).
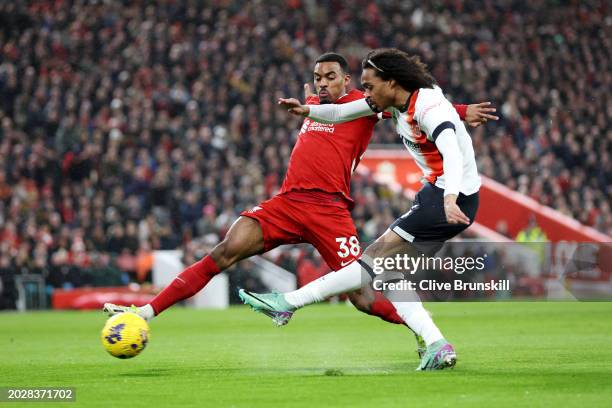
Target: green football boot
(438, 356)
(272, 305)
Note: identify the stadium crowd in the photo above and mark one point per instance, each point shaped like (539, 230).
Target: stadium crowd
(131, 127)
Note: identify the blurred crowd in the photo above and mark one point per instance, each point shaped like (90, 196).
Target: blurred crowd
(132, 126)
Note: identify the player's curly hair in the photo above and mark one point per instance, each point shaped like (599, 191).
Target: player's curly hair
(408, 71)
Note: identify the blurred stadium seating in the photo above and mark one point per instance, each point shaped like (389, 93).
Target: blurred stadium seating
(129, 128)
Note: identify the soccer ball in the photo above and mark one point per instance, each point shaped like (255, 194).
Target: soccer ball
(125, 335)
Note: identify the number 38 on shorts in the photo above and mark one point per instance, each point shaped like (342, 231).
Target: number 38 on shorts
(348, 246)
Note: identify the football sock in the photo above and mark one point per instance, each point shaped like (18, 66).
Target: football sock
(186, 284)
(341, 281)
(418, 319)
(382, 308)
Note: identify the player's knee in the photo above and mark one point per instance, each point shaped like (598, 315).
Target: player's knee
(225, 254)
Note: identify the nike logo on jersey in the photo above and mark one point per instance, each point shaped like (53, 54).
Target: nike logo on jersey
(344, 263)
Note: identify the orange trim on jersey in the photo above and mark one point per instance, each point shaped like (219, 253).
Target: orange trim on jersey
(432, 157)
(434, 162)
(411, 106)
(429, 150)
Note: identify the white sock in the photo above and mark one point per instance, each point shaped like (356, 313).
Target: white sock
(417, 318)
(343, 280)
(146, 312)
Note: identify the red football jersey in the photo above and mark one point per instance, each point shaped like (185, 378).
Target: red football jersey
(325, 155)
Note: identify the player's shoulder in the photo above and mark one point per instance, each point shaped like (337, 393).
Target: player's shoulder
(428, 97)
(352, 95)
(430, 94)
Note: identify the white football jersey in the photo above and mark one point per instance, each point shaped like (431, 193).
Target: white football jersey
(428, 114)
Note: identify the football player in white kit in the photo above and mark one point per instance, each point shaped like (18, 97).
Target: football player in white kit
(446, 205)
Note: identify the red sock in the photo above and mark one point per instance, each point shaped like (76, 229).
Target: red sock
(384, 309)
(186, 284)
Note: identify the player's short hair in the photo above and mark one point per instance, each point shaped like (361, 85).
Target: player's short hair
(334, 57)
(408, 71)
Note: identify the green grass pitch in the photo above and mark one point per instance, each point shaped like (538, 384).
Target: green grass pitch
(510, 354)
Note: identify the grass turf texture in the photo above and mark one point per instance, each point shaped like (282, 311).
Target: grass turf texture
(510, 354)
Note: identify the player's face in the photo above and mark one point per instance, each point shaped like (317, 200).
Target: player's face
(330, 81)
(380, 92)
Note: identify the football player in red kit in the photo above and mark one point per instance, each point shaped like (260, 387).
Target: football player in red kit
(313, 204)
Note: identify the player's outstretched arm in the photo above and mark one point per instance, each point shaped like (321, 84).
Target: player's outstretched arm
(328, 113)
(452, 164)
(478, 113)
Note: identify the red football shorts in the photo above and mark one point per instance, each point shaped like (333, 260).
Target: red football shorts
(328, 228)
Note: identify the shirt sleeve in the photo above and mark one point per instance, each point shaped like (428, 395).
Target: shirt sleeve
(452, 160)
(339, 113)
(461, 110)
(436, 117)
(384, 115)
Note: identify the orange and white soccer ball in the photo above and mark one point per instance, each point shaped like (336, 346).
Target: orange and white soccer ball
(125, 335)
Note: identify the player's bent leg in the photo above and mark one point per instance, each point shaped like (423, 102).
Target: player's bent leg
(345, 280)
(244, 239)
(438, 354)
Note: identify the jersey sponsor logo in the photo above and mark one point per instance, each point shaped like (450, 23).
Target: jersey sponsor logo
(344, 263)
(415, 147)
(255, 209)
(312, 126)
(305, 126)
(321, 127)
